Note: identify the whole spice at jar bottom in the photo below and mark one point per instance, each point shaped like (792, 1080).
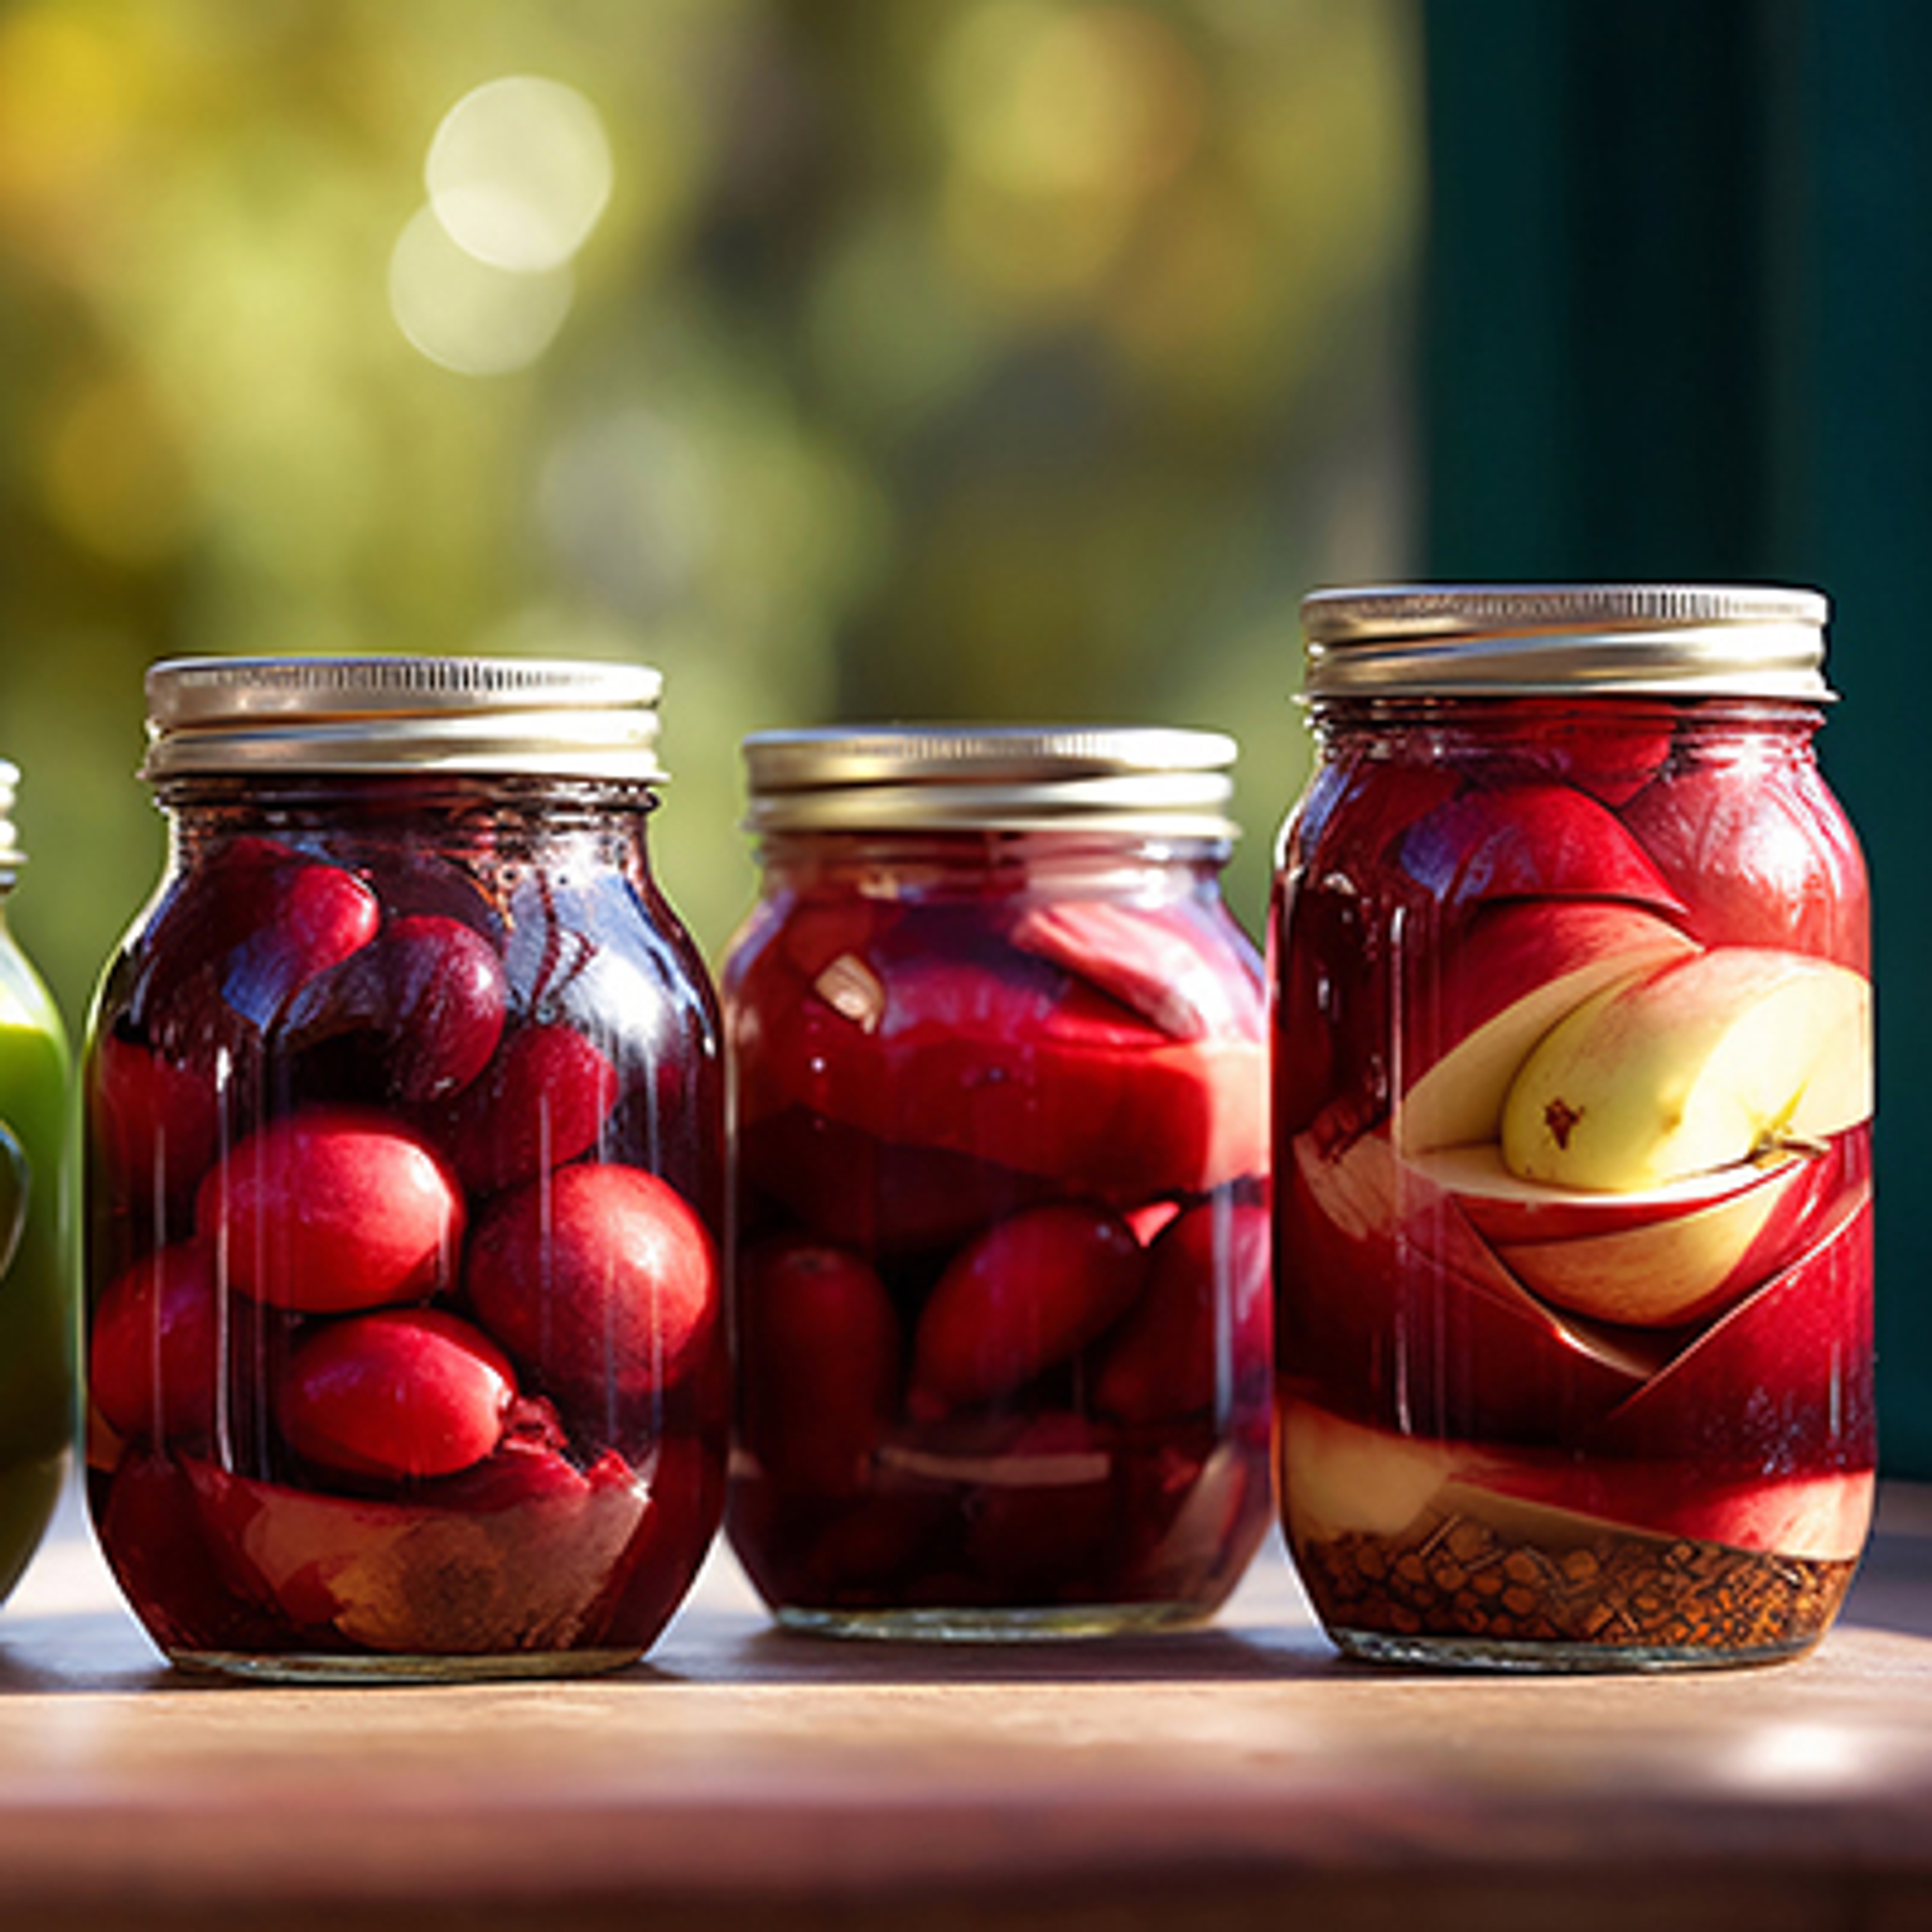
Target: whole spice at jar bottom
(1460, 1578)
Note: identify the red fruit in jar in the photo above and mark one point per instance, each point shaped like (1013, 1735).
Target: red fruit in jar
(1014, 1063)
(305, 917)
(154, 1351)
(857, 1191)
(154, 1121)
(819, 1351)
(1612, 763)
(212, 909)
(401, 1394)
(477, 1566)
(1189, 974)
(1033, 1290)
(331, 1210)
(598, 1277)
(424, 1002)
(541, 1103)
(1762, 855)
(1433, 1333)
(1782, 1384)
(1529, 841)
(1204, 1325)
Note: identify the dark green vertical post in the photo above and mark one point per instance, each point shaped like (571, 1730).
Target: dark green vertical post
(1677, 323)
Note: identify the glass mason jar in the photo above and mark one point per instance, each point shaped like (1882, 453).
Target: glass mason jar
(36, 1292)
(404, 1101)
(1572, 1096)
(1001, 1313)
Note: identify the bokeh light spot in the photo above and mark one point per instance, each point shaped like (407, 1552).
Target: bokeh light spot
(471, 317)
(519, 172)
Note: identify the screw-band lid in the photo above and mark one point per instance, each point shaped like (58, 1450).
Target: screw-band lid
(542, 717)
(1664, 640)
(1150, 780)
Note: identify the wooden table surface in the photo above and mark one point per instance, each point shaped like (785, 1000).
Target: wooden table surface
(1236, 1777)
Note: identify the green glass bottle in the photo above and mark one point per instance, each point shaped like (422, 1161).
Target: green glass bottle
(37, 1323)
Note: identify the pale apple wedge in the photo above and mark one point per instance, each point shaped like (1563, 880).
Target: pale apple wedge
(1342, 1478)
(1817, 1519)
(1505, 1209)
(1662, 1257)
(1469, 1024)
(1698, 1065)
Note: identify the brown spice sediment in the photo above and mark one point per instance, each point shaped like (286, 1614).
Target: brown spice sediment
(1464, 1579)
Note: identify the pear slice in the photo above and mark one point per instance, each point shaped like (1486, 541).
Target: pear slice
(1698, 1064)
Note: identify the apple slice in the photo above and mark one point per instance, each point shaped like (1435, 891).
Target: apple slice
(1390, 1302)
(1660, 1258)
(1816, 1519)
(1340, 1478)
(1469, 1025)
(1698, 1064)
(1762, 853)
(1503, 1208)
(1533, 841)
(1172, 964)
(1010, 1060)
(1782, 1383)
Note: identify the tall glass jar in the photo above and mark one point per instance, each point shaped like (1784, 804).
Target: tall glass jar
(36, 1293)
(404, 1103)
(1573, 1101)
(1001, 1307)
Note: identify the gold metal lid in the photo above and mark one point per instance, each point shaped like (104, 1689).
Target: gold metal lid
(1149, 780)
(1663, 639)
(505, 716)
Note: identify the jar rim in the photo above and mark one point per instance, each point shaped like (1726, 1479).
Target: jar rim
(1154, 780)
(1524, 639)
(542, 716)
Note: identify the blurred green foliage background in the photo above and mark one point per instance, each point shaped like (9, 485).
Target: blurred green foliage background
(999, 358)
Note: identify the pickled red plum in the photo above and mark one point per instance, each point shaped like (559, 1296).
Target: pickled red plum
(310, 917)
(417, 1012)
(540, 1104)
(156, 1122)
(1033, 1290)
(399, 1394)
(820, 1340)
(153, 1352)
(1182, 1343)
(329, 1211)
(597, 1277)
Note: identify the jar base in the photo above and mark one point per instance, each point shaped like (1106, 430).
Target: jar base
(315, 1667)
(1500, 1655)
(980, 1623)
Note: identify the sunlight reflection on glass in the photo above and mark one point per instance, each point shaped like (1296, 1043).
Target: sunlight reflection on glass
(471, 317)
(519, 172)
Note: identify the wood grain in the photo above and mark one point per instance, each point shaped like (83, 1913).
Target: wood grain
(1234, 1777)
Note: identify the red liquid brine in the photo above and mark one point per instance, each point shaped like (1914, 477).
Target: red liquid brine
(1001, 1307)
(1572, 1105)
(406, 1341)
